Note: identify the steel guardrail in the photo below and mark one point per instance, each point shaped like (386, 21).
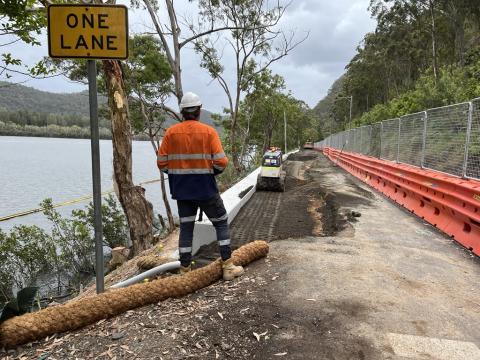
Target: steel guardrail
(447, 202)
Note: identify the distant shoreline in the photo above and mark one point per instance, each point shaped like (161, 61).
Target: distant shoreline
(55, 131)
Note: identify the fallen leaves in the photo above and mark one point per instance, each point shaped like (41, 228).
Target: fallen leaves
(259, 336)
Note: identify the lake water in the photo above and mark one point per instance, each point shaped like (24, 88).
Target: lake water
(32, 169)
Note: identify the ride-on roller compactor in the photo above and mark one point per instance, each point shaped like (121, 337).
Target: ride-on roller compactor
(272, 176)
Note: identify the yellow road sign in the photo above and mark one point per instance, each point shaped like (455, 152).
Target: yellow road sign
(88, 31)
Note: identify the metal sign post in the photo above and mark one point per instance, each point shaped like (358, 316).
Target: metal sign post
(96, 178)
(90, 32)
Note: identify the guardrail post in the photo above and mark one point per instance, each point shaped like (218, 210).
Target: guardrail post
(467, 140)
(398, 138)
(424, 139)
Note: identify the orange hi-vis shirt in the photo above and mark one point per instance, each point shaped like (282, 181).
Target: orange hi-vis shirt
(192, 153)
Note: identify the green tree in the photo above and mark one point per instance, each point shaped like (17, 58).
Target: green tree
(262, 114)
(20, 21)
(256, 43)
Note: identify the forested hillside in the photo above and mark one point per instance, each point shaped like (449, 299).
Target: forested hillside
(324, 109)
(18, 97)
(28, 111)
(422, 54)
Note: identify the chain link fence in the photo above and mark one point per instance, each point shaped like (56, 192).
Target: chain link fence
(445, 139)
(389, 149)
(411, 138)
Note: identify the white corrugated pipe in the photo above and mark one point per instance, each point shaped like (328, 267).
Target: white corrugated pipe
(150, 273)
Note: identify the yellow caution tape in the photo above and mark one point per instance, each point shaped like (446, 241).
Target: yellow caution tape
(69, 202)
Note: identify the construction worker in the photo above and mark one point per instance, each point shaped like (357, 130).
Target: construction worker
(192, 154)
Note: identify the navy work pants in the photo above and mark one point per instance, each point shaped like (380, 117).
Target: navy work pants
(215, 210)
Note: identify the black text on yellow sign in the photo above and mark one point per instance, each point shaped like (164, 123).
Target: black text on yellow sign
(88, 31)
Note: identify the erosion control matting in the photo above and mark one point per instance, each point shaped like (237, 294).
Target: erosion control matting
(86, 311)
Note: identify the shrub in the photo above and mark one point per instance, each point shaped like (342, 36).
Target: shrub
(66, 252)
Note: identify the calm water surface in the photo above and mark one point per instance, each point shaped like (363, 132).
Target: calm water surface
(32, 169)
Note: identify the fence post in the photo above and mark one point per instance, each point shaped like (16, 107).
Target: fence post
(354, 140)
(398, 138)
(349, 144)
(467, 140)
(381, 140)
(370, 131)
(360, 148)
(424, 139)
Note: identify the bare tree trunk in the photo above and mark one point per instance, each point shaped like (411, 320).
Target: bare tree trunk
(233, 145)
(434, 42)
(176, 48)
(246, 137)
(457, 14)
(269, 125)
(138, 210)
(171, 222)
(460, 41)
(233, 132)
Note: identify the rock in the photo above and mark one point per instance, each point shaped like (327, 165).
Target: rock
(118, 335)
(226, 347)
(356, 214)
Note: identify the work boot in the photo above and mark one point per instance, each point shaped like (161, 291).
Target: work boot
(185, 269)
(230, 270)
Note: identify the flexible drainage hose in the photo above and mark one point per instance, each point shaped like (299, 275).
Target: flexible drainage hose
(76, 314)
(157, 270)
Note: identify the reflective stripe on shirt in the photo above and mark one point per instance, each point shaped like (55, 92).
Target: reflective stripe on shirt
(190, 171)
(218, 156)
(189, 157)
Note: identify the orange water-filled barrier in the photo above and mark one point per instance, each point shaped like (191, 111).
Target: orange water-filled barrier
(449, 203)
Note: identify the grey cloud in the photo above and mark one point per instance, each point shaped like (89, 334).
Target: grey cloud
(336, 28)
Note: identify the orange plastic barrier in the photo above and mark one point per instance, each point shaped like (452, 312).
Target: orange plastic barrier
(449, 203)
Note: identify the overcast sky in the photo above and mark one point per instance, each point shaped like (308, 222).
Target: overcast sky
(335, 30)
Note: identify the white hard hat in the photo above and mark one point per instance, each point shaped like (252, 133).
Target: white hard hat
(190, 100)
